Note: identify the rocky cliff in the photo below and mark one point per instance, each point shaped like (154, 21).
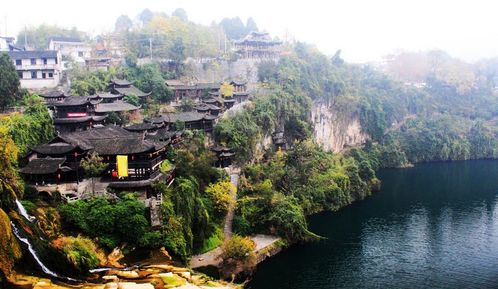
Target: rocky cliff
(214, 70)
(335, 130)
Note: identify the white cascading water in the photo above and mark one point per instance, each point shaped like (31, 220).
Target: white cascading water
(23, 211)
(32, 251)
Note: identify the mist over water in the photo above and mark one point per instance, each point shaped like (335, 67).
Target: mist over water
(432, 226)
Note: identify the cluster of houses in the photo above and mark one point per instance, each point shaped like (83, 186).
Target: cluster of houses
(136, 154)
(76, 113)
(42, 69)
(82, 127)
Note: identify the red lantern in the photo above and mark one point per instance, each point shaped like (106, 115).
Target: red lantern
(114, 174)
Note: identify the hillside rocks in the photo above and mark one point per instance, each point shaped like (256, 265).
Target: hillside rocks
(334, 130)
(160, 276)
(10, 251)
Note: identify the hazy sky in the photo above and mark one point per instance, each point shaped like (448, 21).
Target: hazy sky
(365, 30)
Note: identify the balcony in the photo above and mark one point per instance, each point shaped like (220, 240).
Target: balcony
(38, 66)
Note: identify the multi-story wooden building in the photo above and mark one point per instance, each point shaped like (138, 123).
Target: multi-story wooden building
(258, 45)
(192, 91)
(59, 160)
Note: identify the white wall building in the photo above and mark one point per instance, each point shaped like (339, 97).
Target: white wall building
(37, 69)
(71, 49)
(6, 43)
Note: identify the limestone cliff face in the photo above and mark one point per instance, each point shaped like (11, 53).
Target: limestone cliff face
(217, 70)
(335, 131)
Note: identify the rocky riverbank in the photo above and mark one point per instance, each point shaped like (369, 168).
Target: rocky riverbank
(147, 277)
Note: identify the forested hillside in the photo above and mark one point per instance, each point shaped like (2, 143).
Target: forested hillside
(405, 124)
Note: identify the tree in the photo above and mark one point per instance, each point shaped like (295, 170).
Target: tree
(9, 82)
(180, 13)
(146, 16)
(238, 255)
(9, 180)
(251, 25)
(226, 89)
(238, 248)
(38, 37)
(220, 194)
(93, 167)
(123, 24)
(234, 28)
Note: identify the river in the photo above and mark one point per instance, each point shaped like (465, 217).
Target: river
(431, 226)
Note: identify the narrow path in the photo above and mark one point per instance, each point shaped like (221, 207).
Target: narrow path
(211, 257)
(227, 227)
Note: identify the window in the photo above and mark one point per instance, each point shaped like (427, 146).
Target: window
(33, 74)
(18, 61)
(19, 73)
(44, 61)
(33, 61)
(50, 75)
(80, 53)
(44, 75)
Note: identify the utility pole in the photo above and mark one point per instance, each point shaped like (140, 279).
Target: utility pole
(150, 47)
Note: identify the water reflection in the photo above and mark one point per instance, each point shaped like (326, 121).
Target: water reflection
(433, 226)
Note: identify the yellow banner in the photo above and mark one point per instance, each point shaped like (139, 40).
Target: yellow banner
(122, 164)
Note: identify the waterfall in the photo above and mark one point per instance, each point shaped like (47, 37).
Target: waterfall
(23, 211)
(32, 251)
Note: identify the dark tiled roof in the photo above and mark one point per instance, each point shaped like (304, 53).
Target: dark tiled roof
(115, 146)
(53, 148)
(115, 107)
(258, 38)
(33, 54)
(43, 166)
(174, 82)
(108, 95)
(131, 90)
(110, 140)
(221, 149)
(140, 126)
(207, 106)
(52, 94)
(73, 101)
(81, 138)
(121, 82)
(155, 120)
(64, 39)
